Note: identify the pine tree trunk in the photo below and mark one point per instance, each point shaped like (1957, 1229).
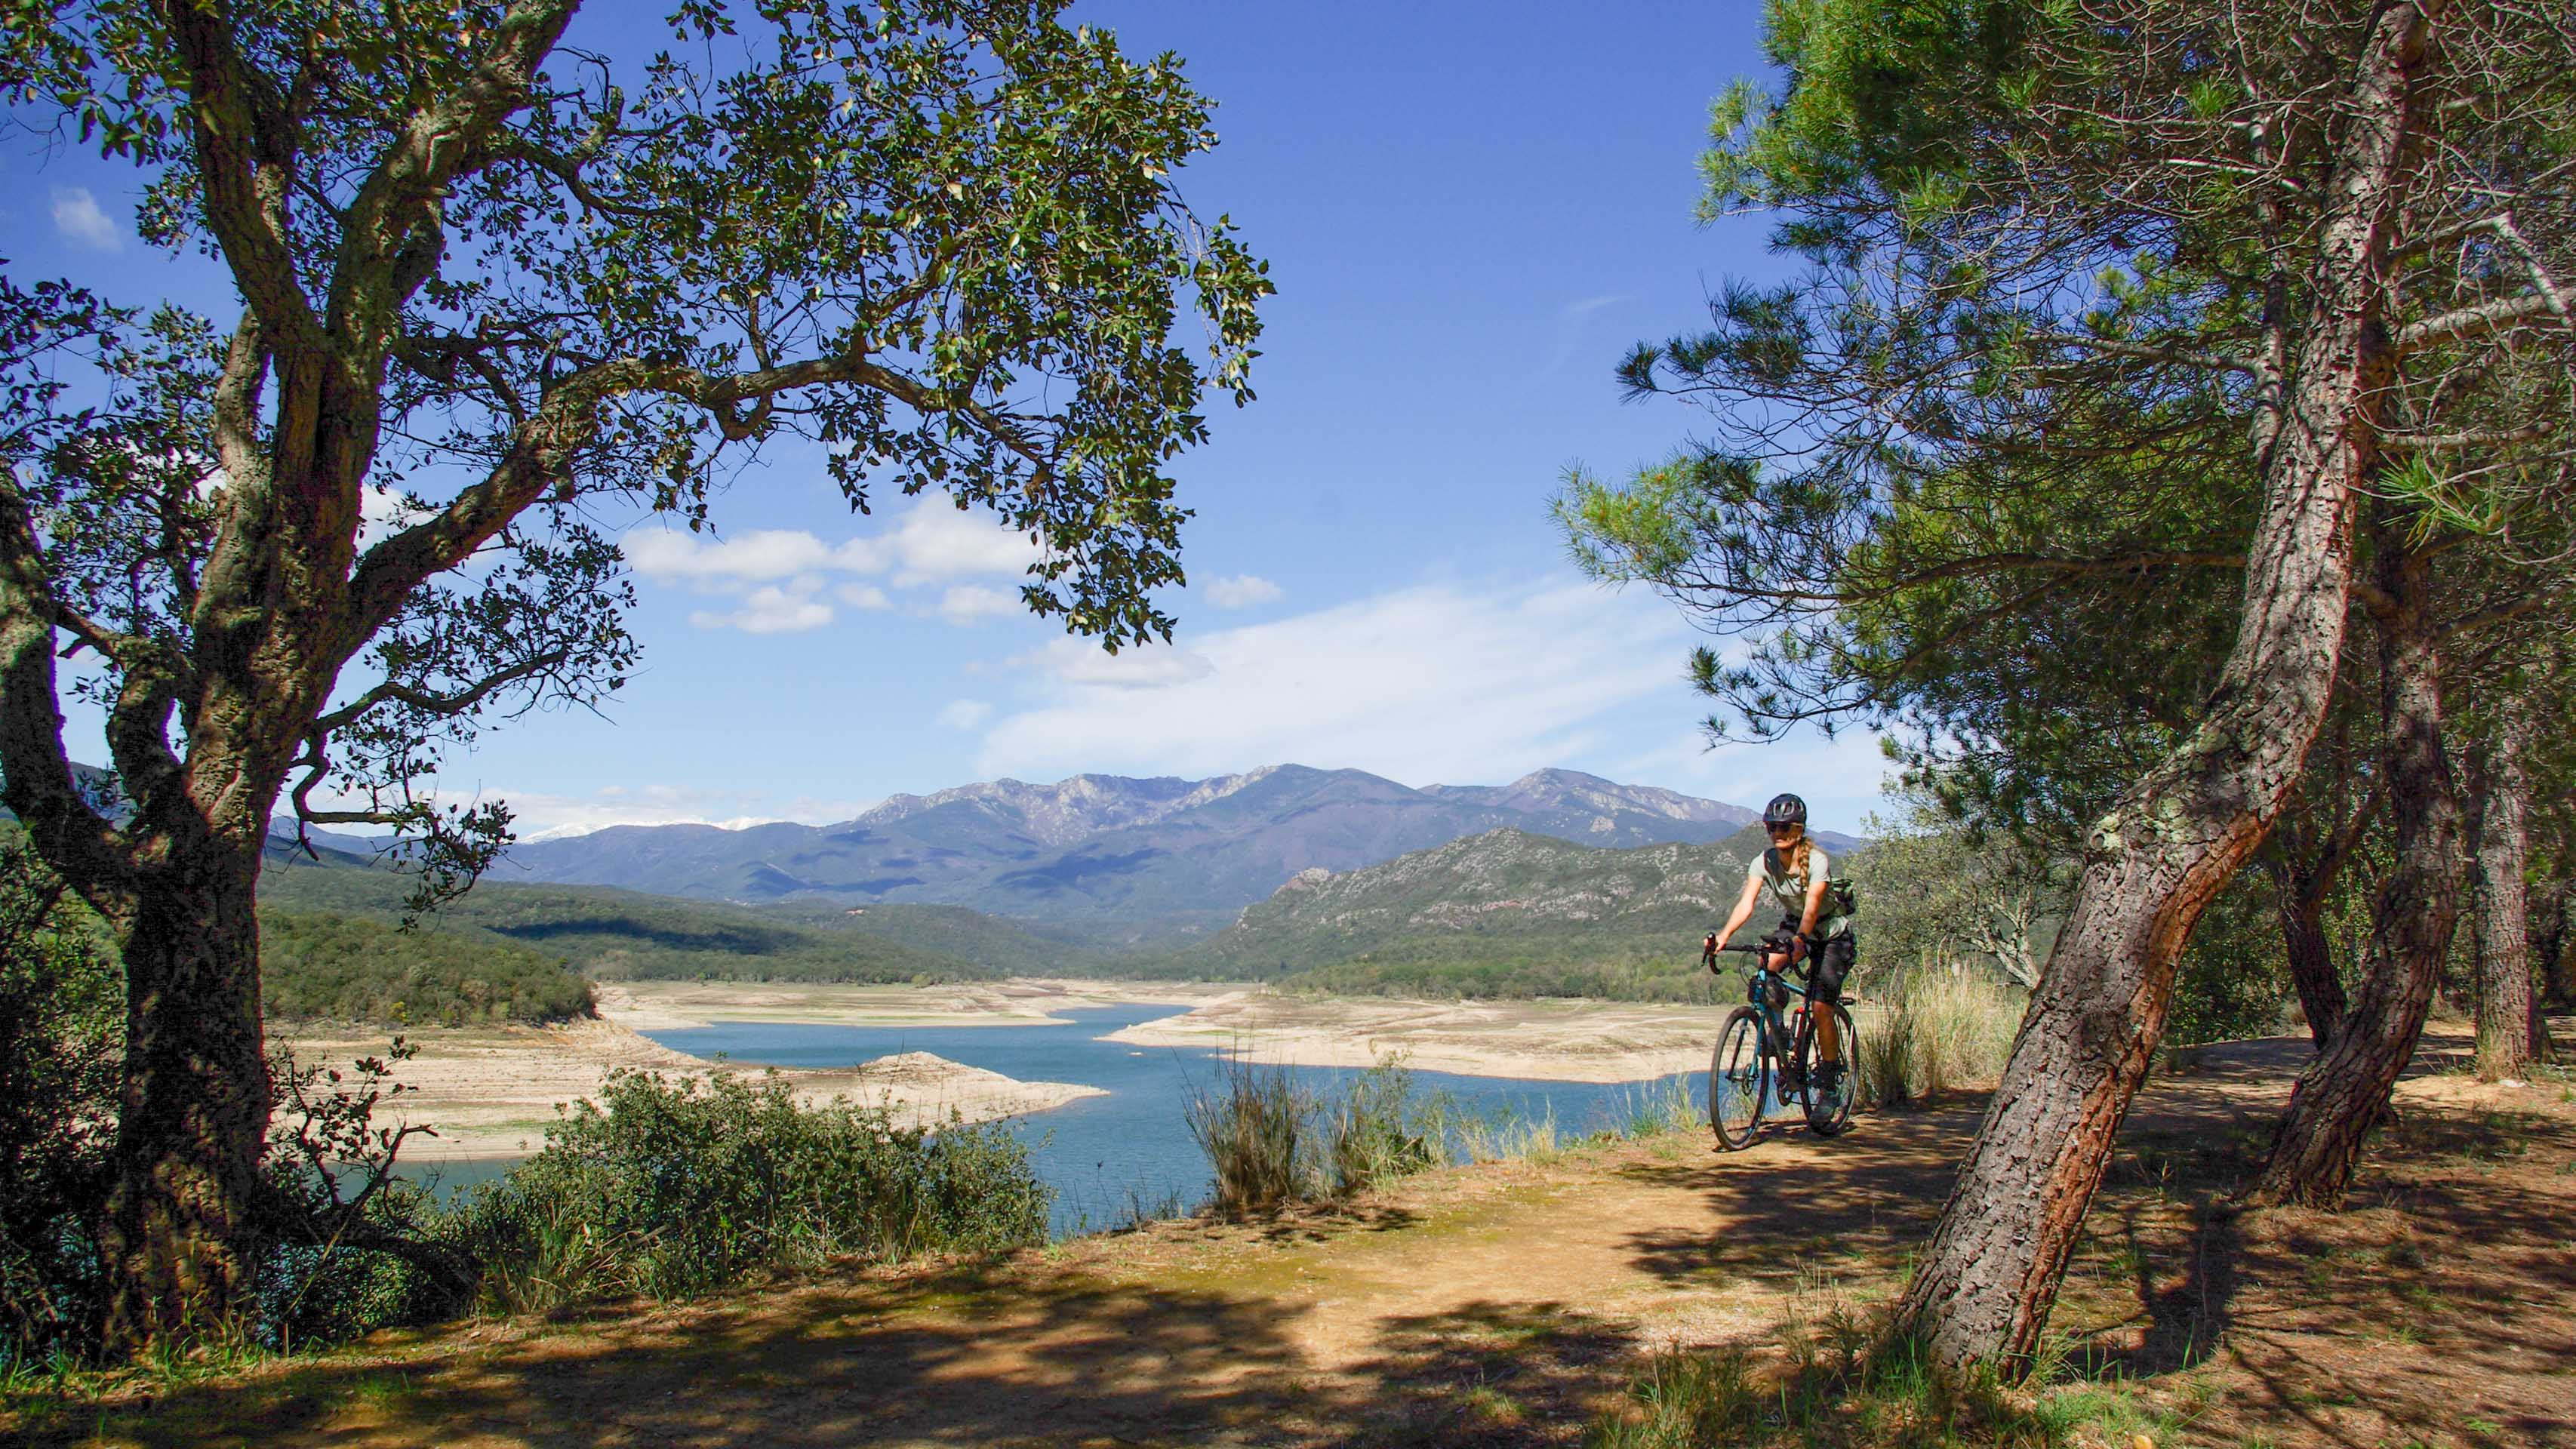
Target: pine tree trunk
(2344, 1093)
(2303, 939)
(180, 1235)
(1986, 1281)
(2501, 842)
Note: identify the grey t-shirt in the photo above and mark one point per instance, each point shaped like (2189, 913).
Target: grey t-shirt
(1771, 868)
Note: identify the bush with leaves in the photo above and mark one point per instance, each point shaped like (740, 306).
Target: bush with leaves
(670, 1186)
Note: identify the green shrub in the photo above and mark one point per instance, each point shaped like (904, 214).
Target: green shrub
(349, 968)
(62, 1032)
(669, 1187)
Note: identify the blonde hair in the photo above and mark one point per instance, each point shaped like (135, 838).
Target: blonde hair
(1800, 848)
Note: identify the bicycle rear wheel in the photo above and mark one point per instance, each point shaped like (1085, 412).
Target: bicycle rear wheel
(1828, 1111)
(1739, 1080)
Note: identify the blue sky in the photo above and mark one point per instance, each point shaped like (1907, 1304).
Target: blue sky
(1470, 211)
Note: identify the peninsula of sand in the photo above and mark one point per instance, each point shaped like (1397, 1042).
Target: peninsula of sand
(1542, 1040)
(493, 1091)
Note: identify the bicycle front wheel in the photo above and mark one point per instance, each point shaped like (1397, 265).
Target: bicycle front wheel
(1739, 1080)
(1828, 1098)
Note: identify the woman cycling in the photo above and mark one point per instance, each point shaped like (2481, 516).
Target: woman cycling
(1794, 873)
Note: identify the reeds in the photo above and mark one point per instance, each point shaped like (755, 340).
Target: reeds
(1944, 1027)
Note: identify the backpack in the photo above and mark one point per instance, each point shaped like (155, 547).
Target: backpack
(1841, 899)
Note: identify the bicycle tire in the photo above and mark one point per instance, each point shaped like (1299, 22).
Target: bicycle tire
(1739, 1080)
(1827, 1116)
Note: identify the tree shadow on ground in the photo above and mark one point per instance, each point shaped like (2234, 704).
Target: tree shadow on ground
(1862, 1200)
(2428, 1309)
(961, 1358)
(1485, 1373)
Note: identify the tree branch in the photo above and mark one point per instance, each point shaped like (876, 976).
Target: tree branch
(2002, 563)
(441, 704)
(245, 158)
(39, 784)
(2454, 442)
(389, 244)
(2478, 321)
(2178, 357)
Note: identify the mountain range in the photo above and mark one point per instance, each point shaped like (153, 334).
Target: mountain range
(1505, 913)
(1125, 862)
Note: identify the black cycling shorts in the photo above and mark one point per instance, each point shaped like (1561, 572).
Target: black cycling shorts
(1826, 964)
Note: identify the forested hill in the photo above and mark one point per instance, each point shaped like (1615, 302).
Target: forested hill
(1505, 913)
(619, 935)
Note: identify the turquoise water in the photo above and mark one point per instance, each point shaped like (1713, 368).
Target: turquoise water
(1110, 1156)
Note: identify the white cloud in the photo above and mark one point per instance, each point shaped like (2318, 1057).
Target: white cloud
(77, 215)
(935, 541)
(1424, 684)
(973, 603)
(667, 556)
(965, 714)
(1142, 666)
(780, 572)
(770, 610)
(1241, 591)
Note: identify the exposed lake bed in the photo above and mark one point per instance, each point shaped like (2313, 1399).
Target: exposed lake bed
(1097, 1074)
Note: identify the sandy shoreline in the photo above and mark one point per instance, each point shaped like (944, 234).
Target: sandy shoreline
(1021, 1001)
(1557, 1041)
(492, 1092)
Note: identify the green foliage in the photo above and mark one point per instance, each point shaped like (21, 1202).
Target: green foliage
(335, 1206)
(957, 932)
(62, 1033)
(671, 1187)
(611, 935)
(2234, 972)
(348, 968)
(1945, 892)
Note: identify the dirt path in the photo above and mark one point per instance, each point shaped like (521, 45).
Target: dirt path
(1511, 1303)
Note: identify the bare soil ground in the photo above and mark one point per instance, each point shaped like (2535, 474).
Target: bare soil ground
(1510, 1303)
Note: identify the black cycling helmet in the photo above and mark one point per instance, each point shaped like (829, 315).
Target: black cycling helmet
(1785, 810)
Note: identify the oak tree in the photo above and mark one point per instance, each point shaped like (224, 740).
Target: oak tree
(500, 290)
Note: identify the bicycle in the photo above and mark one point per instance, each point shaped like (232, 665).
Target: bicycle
(1743, 1071)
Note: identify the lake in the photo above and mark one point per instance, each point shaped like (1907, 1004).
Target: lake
(1108, 1157)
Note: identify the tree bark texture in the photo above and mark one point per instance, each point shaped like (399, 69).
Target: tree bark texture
(2302, 904)
(181, 1231)
(2344, 1092)
(2501, 843)
(1989, 1276)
